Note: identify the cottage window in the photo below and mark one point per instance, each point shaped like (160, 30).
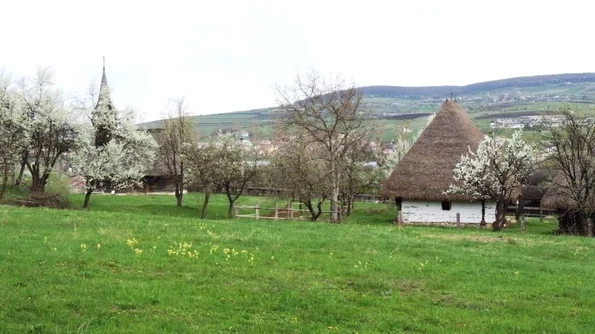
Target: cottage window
(446, 205)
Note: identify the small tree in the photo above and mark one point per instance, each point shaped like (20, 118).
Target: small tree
(50, 127)
(200, 161)
(358, 176)
(178, 130)
(301, 173)
(225, 163)
(570, 145)
(495, 171)
(332, 114)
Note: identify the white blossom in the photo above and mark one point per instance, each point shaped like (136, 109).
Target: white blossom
(496, 170)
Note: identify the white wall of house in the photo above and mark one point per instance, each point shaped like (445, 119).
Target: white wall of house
(432, 212)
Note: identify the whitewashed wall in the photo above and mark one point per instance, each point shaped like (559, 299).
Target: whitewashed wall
(431, 212)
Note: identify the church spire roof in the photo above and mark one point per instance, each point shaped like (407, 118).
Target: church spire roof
(104, 98)
(105, 117)
(103, 77)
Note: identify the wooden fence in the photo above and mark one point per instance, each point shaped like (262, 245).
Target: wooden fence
(276, 213)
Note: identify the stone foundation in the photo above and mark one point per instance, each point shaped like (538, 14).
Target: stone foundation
(446, 224)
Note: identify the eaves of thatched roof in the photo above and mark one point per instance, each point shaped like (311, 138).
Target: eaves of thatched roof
(427, 169)
(557, 196)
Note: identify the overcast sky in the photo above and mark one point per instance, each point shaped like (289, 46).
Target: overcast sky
(227, 55)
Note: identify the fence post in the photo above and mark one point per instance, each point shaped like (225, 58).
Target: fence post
(540, 214)
(458, 220)
(290, 211)
(523, 224)
(237, 207)
(400, 218)
(276, 211)
(589, 227)
(257, 210)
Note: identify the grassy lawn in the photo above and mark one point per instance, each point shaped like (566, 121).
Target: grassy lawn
(138, 264)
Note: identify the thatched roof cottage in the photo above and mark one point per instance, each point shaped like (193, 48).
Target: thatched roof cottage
(419, 180)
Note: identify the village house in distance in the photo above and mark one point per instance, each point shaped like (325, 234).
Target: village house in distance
(419, 180)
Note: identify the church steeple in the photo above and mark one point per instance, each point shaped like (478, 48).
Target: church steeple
(105, 116)
(104, 94)
(103, 77)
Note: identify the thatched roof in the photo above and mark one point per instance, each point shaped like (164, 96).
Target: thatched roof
(557, 196)
(538, 184)
(427, 169)
(561, 196)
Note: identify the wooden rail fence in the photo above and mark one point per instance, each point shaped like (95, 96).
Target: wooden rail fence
(284, 212)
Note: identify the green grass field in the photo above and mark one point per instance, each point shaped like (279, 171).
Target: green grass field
(138, 264)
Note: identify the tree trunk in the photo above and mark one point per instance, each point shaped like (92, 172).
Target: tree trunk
(313, 214)
(87, 198)
(335, 204)
(349, 205)
(4, 180)
(230, 210)
(500, 215)
(334, 192)
(36, 185)
(38, 182)
(483, 223)
(19, 178)
(179, 194)
(583, 221)
(203, 211)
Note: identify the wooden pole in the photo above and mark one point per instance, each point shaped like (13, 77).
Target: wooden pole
(458, 220)
(257, 211)
(523, 224)
(276, 211)
(237, 210)
(589, 227)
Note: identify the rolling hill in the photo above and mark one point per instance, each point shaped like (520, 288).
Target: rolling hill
(394, 106)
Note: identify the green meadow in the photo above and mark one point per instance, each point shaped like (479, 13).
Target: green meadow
(138, 264)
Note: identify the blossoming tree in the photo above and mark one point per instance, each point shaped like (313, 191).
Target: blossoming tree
(50, 125)
(119, 164)
(13, 132)
(496, 171)
(113, 154)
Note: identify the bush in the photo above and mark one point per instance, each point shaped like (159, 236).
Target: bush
(56, 193)
(55, 201)
(58, 183)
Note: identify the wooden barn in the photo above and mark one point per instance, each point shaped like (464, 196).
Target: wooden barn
(419, 180)
(158, 178)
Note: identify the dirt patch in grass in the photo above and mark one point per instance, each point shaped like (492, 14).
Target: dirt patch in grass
(406, 285)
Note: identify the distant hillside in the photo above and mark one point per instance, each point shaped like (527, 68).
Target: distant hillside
(393, 106)
(478, 88)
